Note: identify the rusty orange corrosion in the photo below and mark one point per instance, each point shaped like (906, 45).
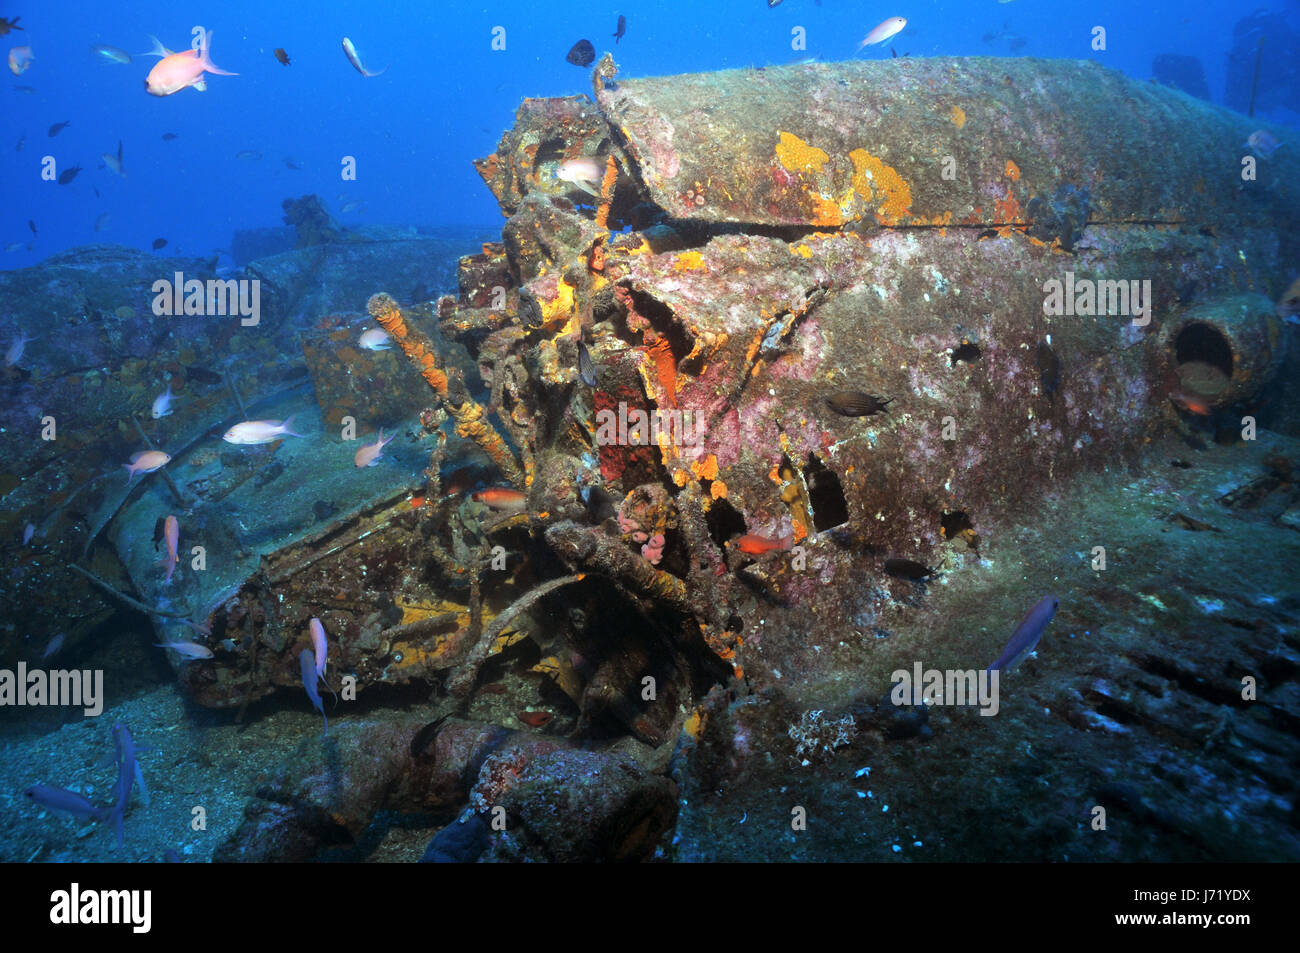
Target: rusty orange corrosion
(607, 193)
(469, 416)
(665, 366)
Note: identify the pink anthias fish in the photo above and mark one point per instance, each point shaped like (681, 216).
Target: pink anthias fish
(191, 650)
(15, 352)
(260, 431)
(585, 173)
(146, 461)
(20, 57)
(884, 31)
(172, 533)
(1262, 143)
(369, 455)
(176, 71)
(320, 645)
(376, 339)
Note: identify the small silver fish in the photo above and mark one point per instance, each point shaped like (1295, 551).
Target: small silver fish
(1262, 143)
(354, 58)
(162, 404)
(190, 650)
(114, 162)
(110, 54)
(15, 352)
(52, 649)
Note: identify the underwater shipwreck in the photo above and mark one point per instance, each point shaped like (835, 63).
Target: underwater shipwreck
(833, 370)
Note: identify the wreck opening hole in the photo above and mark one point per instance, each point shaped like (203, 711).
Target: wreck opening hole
(1204, 358)
(967, 351)
(830, 507)
(661, 318)
(952, 525)
(724, 522)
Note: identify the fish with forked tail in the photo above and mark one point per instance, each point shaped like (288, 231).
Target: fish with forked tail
(177, 71)
(260, 431)
(354, 58)
(307, 663)
(1025, 638)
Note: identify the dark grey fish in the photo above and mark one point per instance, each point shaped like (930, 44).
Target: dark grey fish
(307, 662)
(582, 54)
(58, 127)
(159, 243)
(600, 504)
(168, 136)
(621, 31)
(907, 569)
(67, 175)
(1027, 634)
(856, 403)
(1049, 369)
(586, 368)
(202, 375)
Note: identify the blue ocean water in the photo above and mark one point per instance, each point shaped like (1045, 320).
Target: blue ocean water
(444, 98)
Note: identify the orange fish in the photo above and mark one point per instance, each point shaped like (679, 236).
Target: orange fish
(501, 498)
(1195, 405)
(535, 719)
(756, 545)
(371, 453)
(146, 461)
(176, 71)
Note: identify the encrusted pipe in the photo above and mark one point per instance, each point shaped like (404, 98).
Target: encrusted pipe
(469, 415)
(1225, 349)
